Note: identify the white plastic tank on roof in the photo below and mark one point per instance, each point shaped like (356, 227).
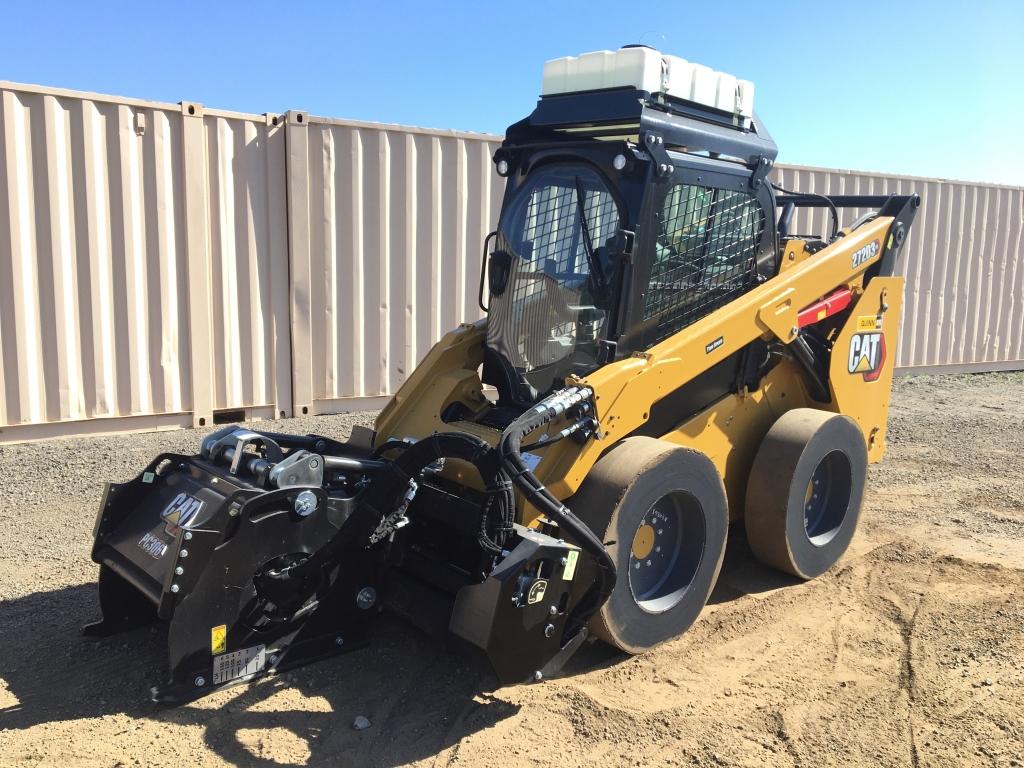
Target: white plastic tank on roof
(647, 69)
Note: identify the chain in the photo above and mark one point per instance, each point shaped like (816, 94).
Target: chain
(395, 519)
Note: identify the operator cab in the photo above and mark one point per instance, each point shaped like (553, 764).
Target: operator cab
(636, 203)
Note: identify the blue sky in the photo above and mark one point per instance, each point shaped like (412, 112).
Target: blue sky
(924, 88)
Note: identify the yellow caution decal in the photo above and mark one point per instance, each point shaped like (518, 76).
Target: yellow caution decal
(869, 323)
(219, 639)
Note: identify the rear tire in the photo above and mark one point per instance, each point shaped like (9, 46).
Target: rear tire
(662, 512)
(805, 491)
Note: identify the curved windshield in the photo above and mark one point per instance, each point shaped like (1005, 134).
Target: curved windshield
(550, 312)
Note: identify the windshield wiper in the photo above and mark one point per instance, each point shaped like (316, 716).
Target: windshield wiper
(588, 246)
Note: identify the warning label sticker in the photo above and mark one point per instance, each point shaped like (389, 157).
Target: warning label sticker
(869, 323)
(218, 639)
(570, 564)
(243, 663)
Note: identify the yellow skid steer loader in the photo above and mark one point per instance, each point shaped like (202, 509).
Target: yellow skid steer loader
(664, 355)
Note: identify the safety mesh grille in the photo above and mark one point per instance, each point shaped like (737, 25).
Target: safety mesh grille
(552, 224)
(704, 256)
(548, 311)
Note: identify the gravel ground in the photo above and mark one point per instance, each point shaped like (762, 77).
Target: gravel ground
(909, 652)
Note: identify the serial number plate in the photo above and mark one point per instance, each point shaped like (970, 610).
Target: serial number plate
(231, 666)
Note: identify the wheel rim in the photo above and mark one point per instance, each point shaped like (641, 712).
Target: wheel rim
(666, 552)
(827, 498)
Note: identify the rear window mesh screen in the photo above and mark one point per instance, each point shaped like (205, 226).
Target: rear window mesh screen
(704, 255)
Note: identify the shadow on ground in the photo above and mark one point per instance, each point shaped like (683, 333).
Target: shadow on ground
(420, 698)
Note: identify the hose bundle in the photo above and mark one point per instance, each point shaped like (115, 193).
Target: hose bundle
(509, 453)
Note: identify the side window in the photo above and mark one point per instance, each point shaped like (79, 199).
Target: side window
(703, 256)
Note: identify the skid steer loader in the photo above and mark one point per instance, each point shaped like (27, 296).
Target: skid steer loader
(665, 355)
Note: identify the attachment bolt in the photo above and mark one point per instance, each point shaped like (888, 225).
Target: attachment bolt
(549, 630)
(183, 554)
(538, 675)
(200, 681)
(339, 640)
(366, 598)
(175, 588)
(305, 503)
(179, 570)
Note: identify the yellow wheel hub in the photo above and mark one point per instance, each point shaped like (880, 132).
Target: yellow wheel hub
(643, 541)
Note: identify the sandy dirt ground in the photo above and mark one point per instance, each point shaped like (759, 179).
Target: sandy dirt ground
(909, 652)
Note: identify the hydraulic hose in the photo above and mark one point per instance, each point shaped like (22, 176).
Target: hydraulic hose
(388, 489)
(828, 201)
(385, 494)
(509, 453)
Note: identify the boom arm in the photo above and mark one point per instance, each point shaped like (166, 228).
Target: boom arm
(625, 390)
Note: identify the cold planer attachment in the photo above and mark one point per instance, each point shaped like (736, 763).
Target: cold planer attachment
(267, 551)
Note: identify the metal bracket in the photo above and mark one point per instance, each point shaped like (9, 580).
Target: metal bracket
(764, 166)
(299, 469)
(622, 243)
(662, 162)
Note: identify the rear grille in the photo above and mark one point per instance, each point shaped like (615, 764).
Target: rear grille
(704, 256)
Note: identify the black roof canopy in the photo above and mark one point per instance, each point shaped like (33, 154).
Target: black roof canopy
(627, 112)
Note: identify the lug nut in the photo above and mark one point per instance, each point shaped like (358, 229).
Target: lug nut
(200, 681)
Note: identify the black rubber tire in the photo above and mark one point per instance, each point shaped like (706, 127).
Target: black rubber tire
(801, 441)
(614, 500)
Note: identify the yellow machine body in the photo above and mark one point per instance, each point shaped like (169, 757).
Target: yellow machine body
(730, 430)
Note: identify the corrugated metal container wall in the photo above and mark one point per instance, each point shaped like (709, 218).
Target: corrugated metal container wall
(107, 207)
(162, 262)
(248, 229)
(396, 224)
(93, 317)
(963, 308)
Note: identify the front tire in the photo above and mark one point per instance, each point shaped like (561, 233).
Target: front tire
(662, 512)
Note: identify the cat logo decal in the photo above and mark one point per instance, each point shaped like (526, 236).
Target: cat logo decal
(867, 355)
